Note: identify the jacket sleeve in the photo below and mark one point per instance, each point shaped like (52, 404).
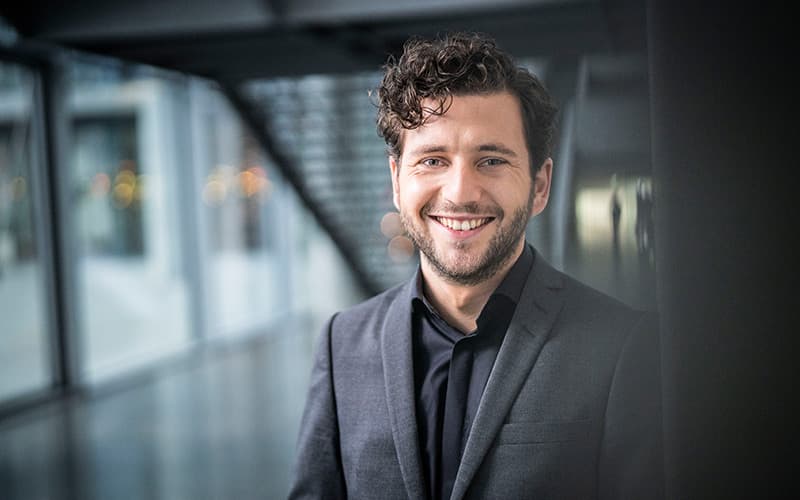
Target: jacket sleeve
(631, 464)
(318, 467)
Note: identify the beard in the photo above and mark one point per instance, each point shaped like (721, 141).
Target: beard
(467, 270)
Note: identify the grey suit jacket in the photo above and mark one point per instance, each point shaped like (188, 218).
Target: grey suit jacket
(571, 408)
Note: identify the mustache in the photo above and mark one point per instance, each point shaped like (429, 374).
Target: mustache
(448, 207)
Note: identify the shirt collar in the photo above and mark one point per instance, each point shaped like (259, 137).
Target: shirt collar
(514, 282)
(418, 301)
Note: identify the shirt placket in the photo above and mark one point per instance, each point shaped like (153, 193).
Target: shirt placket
(453, 430)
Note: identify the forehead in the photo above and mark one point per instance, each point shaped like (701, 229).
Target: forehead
(471, 120)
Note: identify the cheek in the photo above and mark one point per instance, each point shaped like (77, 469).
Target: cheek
(415, 192)
(509, 192)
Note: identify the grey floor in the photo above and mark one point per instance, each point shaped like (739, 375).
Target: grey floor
(220, 424)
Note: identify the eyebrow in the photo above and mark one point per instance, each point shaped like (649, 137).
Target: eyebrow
(428, 149)
(497, 148)
(438, 148)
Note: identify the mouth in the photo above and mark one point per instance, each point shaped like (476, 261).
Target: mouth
(462, 225)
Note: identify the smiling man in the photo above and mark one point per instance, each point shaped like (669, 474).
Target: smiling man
(489, 374)
(465, 190)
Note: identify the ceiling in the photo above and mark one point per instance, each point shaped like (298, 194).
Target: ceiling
(266, 38)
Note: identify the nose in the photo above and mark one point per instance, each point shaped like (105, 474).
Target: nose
(462, 184)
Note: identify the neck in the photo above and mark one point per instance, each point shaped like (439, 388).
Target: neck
(460, 305)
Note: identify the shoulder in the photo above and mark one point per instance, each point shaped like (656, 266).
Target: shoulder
(357, 330)
(370, 311)
(609, 322)
(583, 298)
(588, 312)
(592, 329)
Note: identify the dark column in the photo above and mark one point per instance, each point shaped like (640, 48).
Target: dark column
(722, 118)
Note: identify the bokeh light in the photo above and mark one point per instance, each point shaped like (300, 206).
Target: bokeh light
(400, 249)
(391, 225)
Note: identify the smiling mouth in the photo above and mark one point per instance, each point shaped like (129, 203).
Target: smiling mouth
(462, 224)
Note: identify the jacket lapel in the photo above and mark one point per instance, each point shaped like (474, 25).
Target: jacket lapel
(538, 307)
(398, 373)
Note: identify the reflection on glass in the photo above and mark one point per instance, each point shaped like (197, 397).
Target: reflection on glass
(615, 230)
(247, 283)
(108, 189)
(23, 329)
(617, 218)
(123, 191)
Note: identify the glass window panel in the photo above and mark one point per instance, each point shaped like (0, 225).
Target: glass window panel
(321, 278)
(240, 193)
(124, 184)
(24, 356)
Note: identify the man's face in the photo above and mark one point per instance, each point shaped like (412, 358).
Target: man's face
(463, 187)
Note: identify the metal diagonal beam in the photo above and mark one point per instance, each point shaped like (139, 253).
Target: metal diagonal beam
(257, 122)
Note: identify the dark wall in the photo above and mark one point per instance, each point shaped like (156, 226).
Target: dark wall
(722, 120)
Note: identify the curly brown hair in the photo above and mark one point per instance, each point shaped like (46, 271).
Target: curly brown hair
(460, 64)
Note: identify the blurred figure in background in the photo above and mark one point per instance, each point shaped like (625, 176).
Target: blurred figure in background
(489, 374)
(644, 221)
(616, 214)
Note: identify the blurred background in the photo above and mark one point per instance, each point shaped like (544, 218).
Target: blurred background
(189, 190)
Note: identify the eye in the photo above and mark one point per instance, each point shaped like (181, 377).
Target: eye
(492, 162)
(432, 162)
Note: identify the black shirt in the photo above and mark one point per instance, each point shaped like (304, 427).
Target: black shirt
(451, 370)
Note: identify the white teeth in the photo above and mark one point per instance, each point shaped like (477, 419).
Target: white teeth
(464, 225)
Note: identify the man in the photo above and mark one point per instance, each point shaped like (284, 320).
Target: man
(489, 374)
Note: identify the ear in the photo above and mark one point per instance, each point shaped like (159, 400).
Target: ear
(541, 187)
(395, 170)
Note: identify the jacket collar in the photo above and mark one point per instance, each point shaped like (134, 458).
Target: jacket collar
(398, 374)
